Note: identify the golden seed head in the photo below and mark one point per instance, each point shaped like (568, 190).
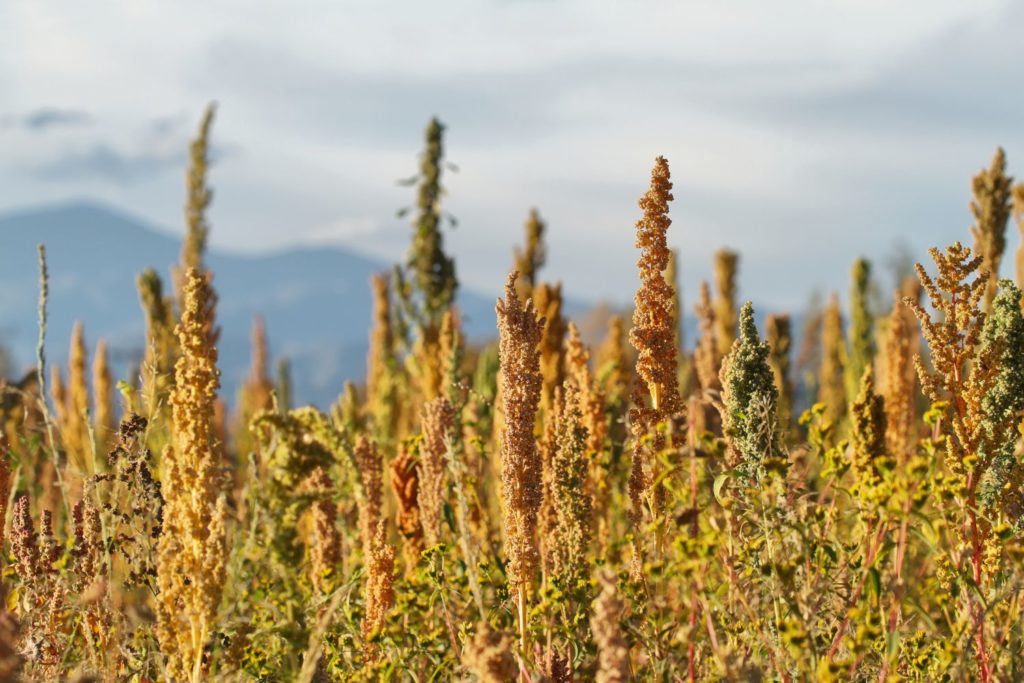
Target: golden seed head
(489, 656)
(438, 427)
(532, 257)
(726, 315)
(520, 332)
(380, 583)
(653, 334)
(369, 464)
(192, 550)
(405, 484)
(612, 650)
(707, 360)
(991, 207)
(831, 389)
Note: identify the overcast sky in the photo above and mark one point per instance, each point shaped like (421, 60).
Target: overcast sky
(802, 133)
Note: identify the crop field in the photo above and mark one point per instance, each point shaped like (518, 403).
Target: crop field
(834, 498)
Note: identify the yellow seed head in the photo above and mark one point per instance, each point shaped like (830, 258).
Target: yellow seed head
(192, 553)
(726, 316)
(103, 397)
(438, 428)
(612, 651)
(520, 332)
(831, 389)
(991, 207)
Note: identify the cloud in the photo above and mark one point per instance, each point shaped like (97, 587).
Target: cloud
(163, 126)
(376, 109)
(487, 107)
(103, 162)
(50, 117)
(45, 118)
(956, 81)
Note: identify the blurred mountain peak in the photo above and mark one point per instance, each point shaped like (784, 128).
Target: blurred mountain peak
(316, 302)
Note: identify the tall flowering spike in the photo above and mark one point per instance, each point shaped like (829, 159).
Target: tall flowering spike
(46, 471)
(726, 265)
(161, 345)
(977, 368)
(571, 500)
(432, 270)
(25, 540)
(405, 482)
(831, 391)
(88, 544)
(612, 649)
(370, 465)
(157, 310)
(283, 385)
(381, 364)
(899, 381)
(706, 358)
(547, 525)
(452, 350)
(653, 334)
(656, 396)
(48, 542)
(956, 293)
(519, 334)
(672, 278)
(259, 377)
(192, 552)
(199, 196)
(591, 398)
(104, 421)
(427, 285)
(438, 426)
(347, 410)
(612, 361)
(862, 344)
(256, 393)
(807, 361)
(779, 335)
(547, 299)
(750, 398)
(325, 549)
(991, 208)
(869, 453)
(484, 406)
(532, 257)
(380, 584)
(197, 229)
(593, 409)
(80, 452)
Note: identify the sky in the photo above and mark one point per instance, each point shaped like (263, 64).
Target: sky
(801, 133)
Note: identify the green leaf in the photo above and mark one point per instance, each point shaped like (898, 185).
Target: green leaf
(719, 483)
(875, 581)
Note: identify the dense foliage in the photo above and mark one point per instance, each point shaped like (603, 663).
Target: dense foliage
(534, 509)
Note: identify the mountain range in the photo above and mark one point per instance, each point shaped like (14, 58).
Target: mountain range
(315, 301)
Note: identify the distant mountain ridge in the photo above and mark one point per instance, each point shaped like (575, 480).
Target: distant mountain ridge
(316, 301)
